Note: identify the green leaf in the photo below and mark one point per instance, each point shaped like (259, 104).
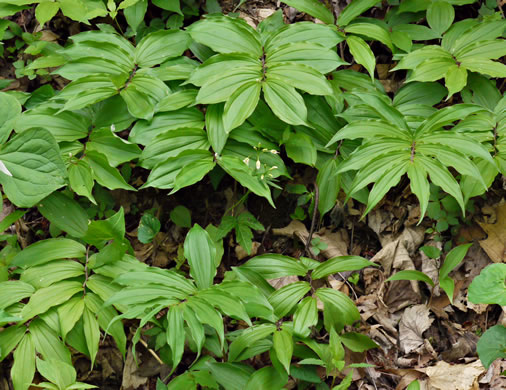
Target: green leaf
(46, 11)
(65, 213)
(10, 219)
(9, 339)
(313, 8)
(193, 173)
(148, 228)
(300, 148)
(175, 333)
(69, 313)
(266, 378)
(357, 342)
(44, 251)
(488, 286)
(455, 79)
(488, 67)
(329, 184)
(341, 303)
(81, 179)
(45, 298)
(415, 385)
(431, 69)
(492, 345)
(215, 128)
(104, 174)
(47, 342)
(14, 291)
(452, 260)
(308, 32)
(10, 109)
(31, 167)
(23, 369)
(181, 216)
(411, 275)
(169, 5)
(200, 252)
(431, 252)
(353, 10)
(160, 46)
(362, 53)
(91, 333)
(177, 100)
(305, 316)
(341, 264)
(226, 303)
(134, 14)
(370, 30)
(419, 185)
(272, 266)
(284, 299)
(232, 376)
(224, 34)
(285, 102)
(60, 373)
(139, 104)
(54, 271)
(440, 15)
(248, 338)
(115, 148)
(300, 76)
(241, 105)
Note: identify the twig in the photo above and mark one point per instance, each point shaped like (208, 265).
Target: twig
(153, 353)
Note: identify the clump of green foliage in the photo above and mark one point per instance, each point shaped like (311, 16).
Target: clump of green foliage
(181, 99)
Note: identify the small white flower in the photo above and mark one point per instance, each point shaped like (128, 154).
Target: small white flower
(257, 165)
(246, 161)
(4, 169)
(274, 167)
(262, 177)
(113, 128)
(274, 151)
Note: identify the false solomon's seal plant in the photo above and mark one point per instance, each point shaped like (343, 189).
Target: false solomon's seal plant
(169, 107)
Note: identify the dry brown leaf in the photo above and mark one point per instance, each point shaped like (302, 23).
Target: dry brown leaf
(414, 321)
(444, 376)
(282, 281)
(131, 380)
(495, 244)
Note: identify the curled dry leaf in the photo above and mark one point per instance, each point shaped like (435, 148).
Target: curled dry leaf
(414, 321)
(495, 244)
(444, 376)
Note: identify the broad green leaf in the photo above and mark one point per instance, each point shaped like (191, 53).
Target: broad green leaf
(353, 10)
(196, 328)
(419, 185)
(321, 59)
(455, 79)
(193, 173)
(371, 30)
(431, 251)
(419, 93)
(91, 332)
(69, 313)
(329, 184)
(415, 385)
(10, 219)
(453, 259)
(285, 102)
(208, 315)
(272, 266)
(200, 252)
(305, 316)
(488, 67)
(232, 376)
(81, 179)
(104, 174)
(308, 32)
(313, 8)
(215, 128)
(116, 149)
(134, 14)
(341, 264)
(13, 291)
(492, 345)
(112, 228)
(426, 53)
(156, 276)
(47, 342)
(440, 15)
(385, 109)
(362, 53)
(300, 76)
(44, 251)
(47, 297)
(9, 112)
(368, 129)
(411, 275)
(148, 228)
(226, 303)
(60, 373)
(248, 338)
(31, 167)
(341, 302)
(431, 69)
(140, 105)
(171, 143)
(357, 342)
(241, 105)
(484, 50)
(175, 333)
(46, 274)
(159, 46)
(284, 299)
(224, 34)
(177, 100)
(169, 5)
(23, 369)
(300, 148)
(46, 11)
(65, 213)
(478, 32)
(88, 96)
(488, 286)
(181, 216)
(266, 378)
(9, 339)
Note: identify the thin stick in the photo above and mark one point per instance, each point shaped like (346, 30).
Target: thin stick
(313, 222)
